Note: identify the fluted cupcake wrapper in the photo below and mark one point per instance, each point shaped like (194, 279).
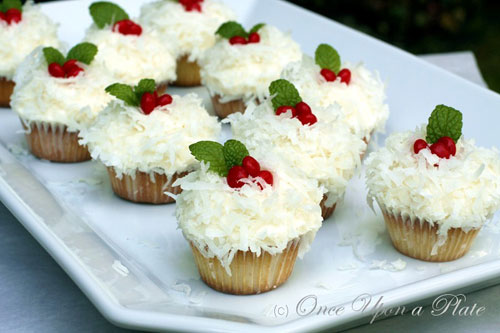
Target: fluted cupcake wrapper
(417, 238)
(53, 142)
(188, 73)
(326, 211)
(6, 89)
(250, 274)
(145, 187)
(222, 110)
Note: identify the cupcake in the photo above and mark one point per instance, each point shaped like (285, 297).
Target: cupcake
(22, 29)
(241, 65)
(246, 217)
(142, 137)
(435, 188)
(191, 26)
(55, 97)
(315, 141)
(127, 51)
(326, 80)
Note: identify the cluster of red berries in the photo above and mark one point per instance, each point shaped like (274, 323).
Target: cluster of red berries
(190, 5)
(444, 147)
(127, 27)
(150, 101)
(330, 76)
(254, 37)
(69, 69)
(12, 15)
(249, 167)
(301, 110)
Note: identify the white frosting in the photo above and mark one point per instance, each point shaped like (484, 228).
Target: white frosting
(220, 220)
(326, 151)
(125, 138)
(463, 192)
(192, 32)
(73, 102)
(362, 100)
(130, 58)
(18, 40)
(245, 71)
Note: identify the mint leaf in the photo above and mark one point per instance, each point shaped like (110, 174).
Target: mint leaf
(284, 93)
(145, 85)
(327, 57)
(234, 153)
(8, 4)
(123, 92)
(53, 55)
(444, 121)
(256, 27)
(106, 13)
(210, 152)
(230, 29)
(83, 52)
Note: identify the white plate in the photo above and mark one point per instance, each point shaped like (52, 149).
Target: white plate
(135, 266)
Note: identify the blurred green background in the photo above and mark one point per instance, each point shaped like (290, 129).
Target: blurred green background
(425, 26)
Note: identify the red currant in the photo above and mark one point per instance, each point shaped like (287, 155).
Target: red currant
(285, 109)
(308, 119)
(134, 29)
(237, 40)
(13, 15)
(254, 38)
(449, 143)
(345, 76)
(69, 64)
(251, 166)
(329, 75)
(440, 149)
(234, 176)
(419, 145)
(303, 108)
(148, 102)
(3, 17)
(266, 176)
(56, 70)
(74, 71)
(127, 27)
(164, 100)
(195, 6)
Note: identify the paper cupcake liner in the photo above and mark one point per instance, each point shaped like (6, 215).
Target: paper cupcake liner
(142, 188)
(326, 211)
(250, 274)
(417, 239)
(53, 142)
(6, 88)
(161, 88)
(222, 110)
(188, 73)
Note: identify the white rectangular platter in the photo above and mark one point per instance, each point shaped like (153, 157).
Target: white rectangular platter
(134, 265)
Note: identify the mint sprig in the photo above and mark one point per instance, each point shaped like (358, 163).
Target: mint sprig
(145, 85)
(9, 4)
(83, 52)
(327, 57)
(220, 157)
(284, 93)
(256, 27)
(231, 29)
(106, 13)
(131, 96)
(53, 55)
(444, 121)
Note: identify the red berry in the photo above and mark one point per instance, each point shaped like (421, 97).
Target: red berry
(286, 108)
(13, 15)
(56, 70)
(127, 27)
(195, 6)
(134, 29)
(3, 17)
(251, 166)
(345, 76)
(237, 40)
(419, 145)
(303, 108)
(266, 176)
(148, 103)
(449, 143)
(308, 119)
(74, 71)
(235, 174)
(440, 149)
(329, 75)
(164, 100)
(254, 38)
(69, 64)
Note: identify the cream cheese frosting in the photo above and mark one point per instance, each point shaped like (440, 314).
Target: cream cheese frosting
(129, 58)
(220, 220)
(18, 40)
(326, 151)
(362, 100)
(125, 138)
(192, 32)
(245, 71)
(462, 192)
(74, 102)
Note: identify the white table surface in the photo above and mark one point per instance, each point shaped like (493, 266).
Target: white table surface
(37, 296)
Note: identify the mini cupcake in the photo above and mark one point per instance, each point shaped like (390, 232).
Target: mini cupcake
(241, 65)
(55, 97)
(321, 148)
(325, 81)
(246, 218)
(191, 25)
(435, 194)
(127, 51)
(22, 29)
(142, 138)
